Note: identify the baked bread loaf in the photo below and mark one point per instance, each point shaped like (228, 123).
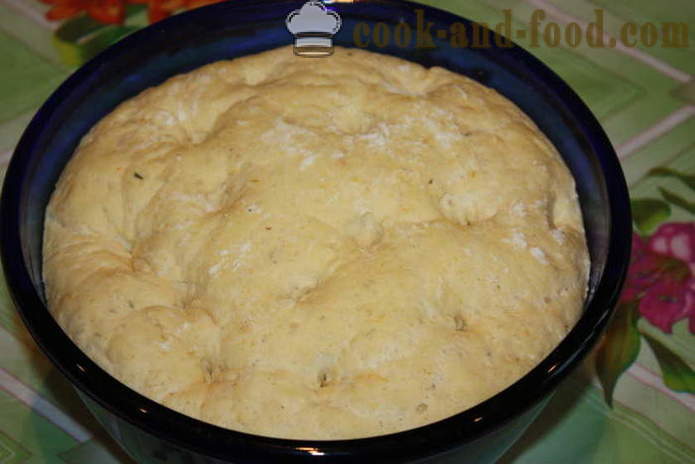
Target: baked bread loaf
(316, 248)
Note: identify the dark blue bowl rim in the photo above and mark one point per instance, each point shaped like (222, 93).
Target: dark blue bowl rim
(207, 439)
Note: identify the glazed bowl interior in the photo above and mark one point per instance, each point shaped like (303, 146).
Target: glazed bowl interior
(238, 28)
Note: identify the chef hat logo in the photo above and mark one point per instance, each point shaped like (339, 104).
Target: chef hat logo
(313, 27)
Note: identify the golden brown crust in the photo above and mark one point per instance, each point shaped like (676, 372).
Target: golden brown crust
(329, 248)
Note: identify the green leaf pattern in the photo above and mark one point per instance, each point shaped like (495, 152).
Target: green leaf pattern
(677, 375)
(648, 213)
(619, 348)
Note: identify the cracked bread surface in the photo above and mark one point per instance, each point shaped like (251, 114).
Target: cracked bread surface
(316, 248)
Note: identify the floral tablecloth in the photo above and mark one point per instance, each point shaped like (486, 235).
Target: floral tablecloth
(630, 402)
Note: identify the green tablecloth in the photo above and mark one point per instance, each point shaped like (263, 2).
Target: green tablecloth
(645, 98)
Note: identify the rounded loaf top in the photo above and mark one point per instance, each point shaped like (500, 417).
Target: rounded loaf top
(316, 248)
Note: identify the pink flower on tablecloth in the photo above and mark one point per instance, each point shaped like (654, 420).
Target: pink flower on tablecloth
(113, 11)
(641, 273)
(661, 278)
(677, 240)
